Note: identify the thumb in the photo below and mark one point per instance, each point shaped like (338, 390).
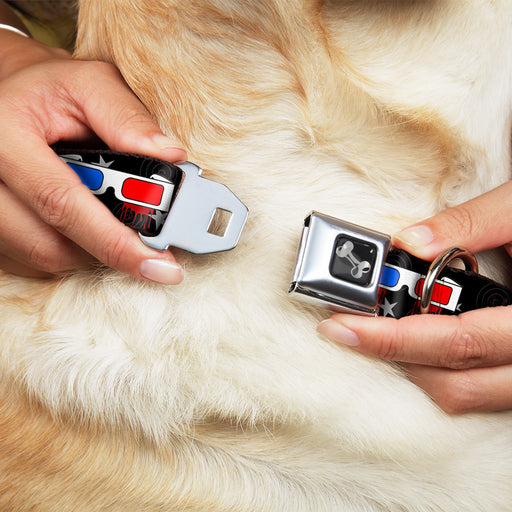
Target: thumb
(479, 224)
(119, 118)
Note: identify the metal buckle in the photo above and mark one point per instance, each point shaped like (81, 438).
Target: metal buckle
(339, 265)
(189, 219)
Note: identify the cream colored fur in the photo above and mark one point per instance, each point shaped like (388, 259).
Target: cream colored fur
(218, 394)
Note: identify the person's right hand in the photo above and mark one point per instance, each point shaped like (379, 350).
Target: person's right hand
(50, 222)
(463, 362)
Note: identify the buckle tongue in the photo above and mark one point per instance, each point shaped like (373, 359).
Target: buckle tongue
(339, 265)
(187, 225)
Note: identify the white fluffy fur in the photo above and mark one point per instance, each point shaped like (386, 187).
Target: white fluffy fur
(381, 113)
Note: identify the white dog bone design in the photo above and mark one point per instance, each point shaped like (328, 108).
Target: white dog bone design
(358, 267)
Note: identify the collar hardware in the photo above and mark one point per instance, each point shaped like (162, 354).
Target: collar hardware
(339, 265)
(192, 211)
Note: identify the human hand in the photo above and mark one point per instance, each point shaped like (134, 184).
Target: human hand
(463, 362)
(51, 222)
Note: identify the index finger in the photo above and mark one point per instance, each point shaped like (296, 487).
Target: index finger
(117, 115)
(474, 339)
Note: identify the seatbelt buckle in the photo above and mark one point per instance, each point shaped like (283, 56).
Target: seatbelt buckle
(170, 204)
(339, 265)
(196, 204)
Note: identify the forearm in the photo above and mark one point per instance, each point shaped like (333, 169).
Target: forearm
(17, 51)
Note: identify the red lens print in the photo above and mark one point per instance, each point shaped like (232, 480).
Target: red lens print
(142, 191)
(441, 293)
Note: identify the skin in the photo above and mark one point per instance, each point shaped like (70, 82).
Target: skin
(50, 221)
(463, 362)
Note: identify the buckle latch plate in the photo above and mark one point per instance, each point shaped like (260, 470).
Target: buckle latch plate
(191, 213)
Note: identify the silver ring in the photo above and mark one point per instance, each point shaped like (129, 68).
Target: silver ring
(436, 268)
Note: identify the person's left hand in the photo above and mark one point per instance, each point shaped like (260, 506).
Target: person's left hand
(50, 222)
(463, 362)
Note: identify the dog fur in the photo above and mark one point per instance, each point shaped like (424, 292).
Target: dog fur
(217, 394)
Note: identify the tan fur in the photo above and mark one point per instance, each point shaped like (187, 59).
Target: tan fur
(217, 394)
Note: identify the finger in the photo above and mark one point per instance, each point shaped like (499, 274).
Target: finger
(463, 391)
(474, 339)
(56, 194)
(15, 267)
(479, 224)
(118, 117)
(30, 243)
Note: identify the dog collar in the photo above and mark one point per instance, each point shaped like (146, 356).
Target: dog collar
(169, 204)
(352, 269)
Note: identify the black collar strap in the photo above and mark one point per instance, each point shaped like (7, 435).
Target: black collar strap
(352, 269)
(339, 265)
(169, 204)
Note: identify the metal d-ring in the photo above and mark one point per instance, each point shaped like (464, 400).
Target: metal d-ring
(436, 268)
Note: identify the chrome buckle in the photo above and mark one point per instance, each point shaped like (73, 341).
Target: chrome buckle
(339, 265)
(192, 211)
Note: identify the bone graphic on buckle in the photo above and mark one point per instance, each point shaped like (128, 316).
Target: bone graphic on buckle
(359, 267)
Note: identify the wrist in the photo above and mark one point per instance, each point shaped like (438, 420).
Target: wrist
(11, 28)
(18, 52)
(9, 18)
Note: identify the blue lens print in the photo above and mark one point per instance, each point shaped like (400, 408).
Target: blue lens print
(92, 178)
(390, 277)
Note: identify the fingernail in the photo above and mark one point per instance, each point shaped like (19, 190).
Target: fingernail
(161, 271)
(164, 143)
(416, 236)
(338, 333)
